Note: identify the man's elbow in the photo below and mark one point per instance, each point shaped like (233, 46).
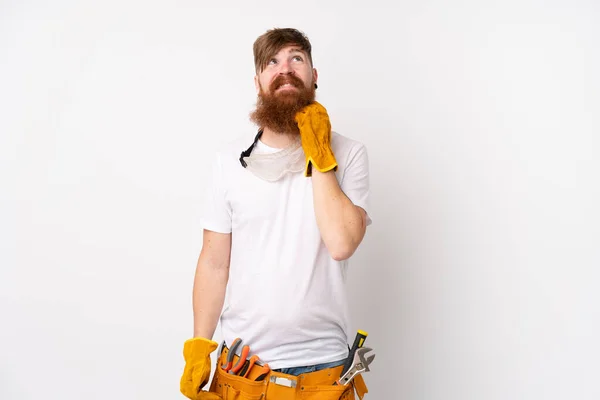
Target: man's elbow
(341, 255)
(343, 244)
(343, 250)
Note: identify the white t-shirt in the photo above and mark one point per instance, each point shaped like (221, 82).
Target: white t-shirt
(286, 296)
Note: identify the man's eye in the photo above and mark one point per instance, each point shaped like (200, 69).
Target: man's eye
(272, 61)
(297, 58)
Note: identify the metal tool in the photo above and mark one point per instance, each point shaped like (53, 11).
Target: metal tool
(240, 363)
(244, 368)
(248, 366)
(359, 340)
(360, 364)
(229, 362)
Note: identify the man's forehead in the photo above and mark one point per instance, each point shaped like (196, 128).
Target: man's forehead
(291, 48)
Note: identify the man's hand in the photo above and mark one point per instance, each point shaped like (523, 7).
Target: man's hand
(315, 135)
(196, 353)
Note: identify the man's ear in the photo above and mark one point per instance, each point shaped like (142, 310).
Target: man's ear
(315, 76)
(256, 84)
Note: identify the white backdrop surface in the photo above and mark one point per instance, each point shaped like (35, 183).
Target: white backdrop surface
(479, 276)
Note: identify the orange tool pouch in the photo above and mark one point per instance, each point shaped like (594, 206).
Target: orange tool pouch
(317, 385)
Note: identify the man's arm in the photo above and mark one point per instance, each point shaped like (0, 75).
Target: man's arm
(210, 282)
(341, 223)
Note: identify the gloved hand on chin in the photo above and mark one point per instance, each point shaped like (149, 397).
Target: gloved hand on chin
(315, 135)
(196, 373)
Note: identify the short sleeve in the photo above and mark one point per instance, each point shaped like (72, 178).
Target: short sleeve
(355, 181)
(216, 214)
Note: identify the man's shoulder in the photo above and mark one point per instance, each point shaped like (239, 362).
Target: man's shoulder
(343, 145)
(344, 140)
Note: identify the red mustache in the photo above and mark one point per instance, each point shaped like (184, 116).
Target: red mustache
(283, 79)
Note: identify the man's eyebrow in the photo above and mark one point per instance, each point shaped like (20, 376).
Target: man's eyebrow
(290, 51)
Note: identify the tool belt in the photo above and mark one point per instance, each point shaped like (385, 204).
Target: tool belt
(317, 385)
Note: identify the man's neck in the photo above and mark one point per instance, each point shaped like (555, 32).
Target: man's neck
(277, 140)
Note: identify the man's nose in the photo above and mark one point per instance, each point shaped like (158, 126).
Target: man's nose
(285, 68)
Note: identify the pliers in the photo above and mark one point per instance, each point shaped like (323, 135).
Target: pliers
(248, 364)
(229, 362)
(243, 366)
(241, 361)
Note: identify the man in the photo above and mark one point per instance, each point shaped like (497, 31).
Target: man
(280, 223)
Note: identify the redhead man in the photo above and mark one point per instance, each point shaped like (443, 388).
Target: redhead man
(281, 220)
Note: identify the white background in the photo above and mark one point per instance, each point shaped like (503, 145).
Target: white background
(479, 276)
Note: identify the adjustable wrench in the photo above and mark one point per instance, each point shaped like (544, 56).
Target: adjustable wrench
(359, 365)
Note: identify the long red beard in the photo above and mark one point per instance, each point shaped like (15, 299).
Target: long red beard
(276, 111)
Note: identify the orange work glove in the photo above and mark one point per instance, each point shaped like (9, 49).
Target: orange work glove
(196, 373)
(315, 135)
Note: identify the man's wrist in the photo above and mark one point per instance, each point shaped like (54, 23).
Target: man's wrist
(316, 174)
(199, 333)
